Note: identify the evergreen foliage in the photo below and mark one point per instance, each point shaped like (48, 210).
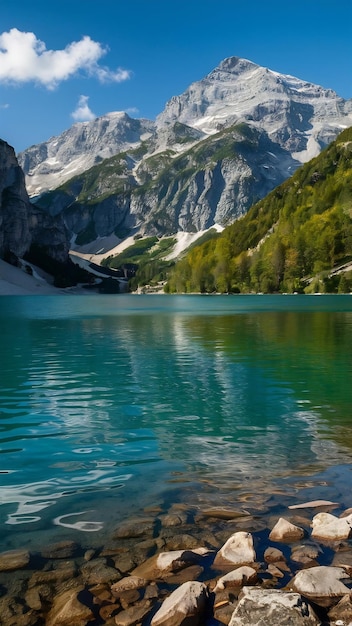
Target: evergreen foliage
(288, 242)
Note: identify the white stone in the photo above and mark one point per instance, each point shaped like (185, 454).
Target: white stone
(167, 563)
(67, 610)
(322, 584)
(167, 560)
(238, 550)
(186, 602)
(286, 531)
(330, 527)
(237, 578)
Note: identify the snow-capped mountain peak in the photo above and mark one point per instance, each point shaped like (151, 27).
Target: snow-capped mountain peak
(290, 110)
(293, 118)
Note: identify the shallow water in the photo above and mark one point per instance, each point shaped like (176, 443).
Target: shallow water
(111, 404)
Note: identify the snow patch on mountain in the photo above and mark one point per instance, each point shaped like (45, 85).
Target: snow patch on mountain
(184, 240)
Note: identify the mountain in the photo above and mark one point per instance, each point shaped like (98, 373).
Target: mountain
(299, 116)
(298, 238)
(215, 150)
(52, 162)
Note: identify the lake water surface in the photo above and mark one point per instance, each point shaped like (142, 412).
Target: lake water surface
(113, 404)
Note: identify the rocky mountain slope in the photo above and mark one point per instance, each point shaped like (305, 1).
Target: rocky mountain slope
(21, 223)
(49, 164)
(226, 142)
(298, 238)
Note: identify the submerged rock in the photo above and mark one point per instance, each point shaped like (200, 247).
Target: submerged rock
(14, 559)
(273, 555)
(133, 529)
(305, 554)
(128, 583)
(224, 513)
(60, 550)
(133, 615)
(314, 504)
(68, 610)
(98, 571)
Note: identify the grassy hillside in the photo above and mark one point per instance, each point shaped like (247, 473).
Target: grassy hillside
(293, 240)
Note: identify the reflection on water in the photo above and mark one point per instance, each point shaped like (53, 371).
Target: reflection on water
(104, 400)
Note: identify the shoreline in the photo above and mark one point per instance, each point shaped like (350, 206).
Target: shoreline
(157, 554)
(16, 282)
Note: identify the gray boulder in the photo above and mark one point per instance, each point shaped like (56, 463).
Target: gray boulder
(323, 585)
(272, 607)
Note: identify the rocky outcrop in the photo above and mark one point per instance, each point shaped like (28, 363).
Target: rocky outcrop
(214, 182)
(15, 209)
(21, 223)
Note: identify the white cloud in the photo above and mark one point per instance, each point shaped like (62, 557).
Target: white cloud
(24, 58)
(4, 106)
(83, 113)
(132, 111)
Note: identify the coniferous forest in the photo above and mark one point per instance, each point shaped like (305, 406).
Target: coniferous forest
(297, 239)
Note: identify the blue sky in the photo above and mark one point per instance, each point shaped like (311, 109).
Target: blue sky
(67, 60)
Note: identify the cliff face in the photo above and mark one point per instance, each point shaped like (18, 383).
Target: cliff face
(15, 236)
(22, 223)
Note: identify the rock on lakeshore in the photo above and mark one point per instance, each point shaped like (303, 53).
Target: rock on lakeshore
(118, 585)
(186, 603)
(238, 550)
(286, 532)
(330, 528)
(272, 607)
(321, 584)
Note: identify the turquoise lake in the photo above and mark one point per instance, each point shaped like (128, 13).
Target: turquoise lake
(113, 404)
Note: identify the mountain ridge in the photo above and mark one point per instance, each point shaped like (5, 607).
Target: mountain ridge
(216, 149)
